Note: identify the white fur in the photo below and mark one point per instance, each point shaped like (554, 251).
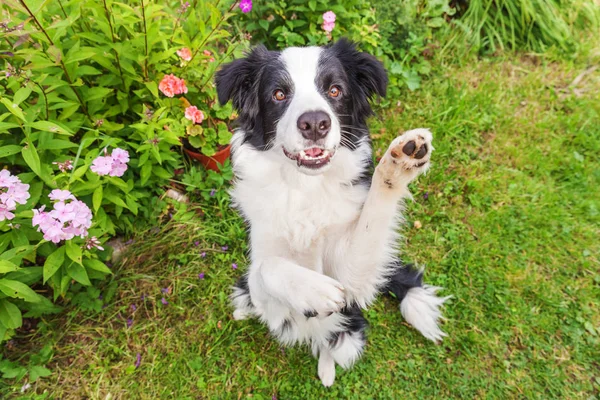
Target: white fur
(421, 309)
(318, 241)
(301, 64)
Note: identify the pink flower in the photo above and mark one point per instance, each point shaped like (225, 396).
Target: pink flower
(113, 165)
(102, 165)
(120, 155)
(193, 114)
(246, 6)
(7, 180)
(65, 221)
(329, 17)
(93, 242)
(207, 53)
(64, 166)
(5, 212)
(172, 85)
(12, 192)
(61, 195)
(328, 26)
(185, 54)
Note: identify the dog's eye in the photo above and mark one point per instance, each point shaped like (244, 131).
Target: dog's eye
(278, 95)
(334, 91)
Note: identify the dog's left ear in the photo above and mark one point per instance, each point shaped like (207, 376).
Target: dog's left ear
(366, 71)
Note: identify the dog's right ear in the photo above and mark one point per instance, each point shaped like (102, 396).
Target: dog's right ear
(239, 81)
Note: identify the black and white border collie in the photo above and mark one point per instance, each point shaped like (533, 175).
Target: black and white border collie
(323, 225)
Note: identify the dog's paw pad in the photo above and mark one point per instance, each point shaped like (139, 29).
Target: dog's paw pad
(412, 149)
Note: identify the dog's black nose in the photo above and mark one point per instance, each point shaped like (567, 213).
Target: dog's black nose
(314, 125)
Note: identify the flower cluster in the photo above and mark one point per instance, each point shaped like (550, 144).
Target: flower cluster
(246, 6)
(69, 218)
(328, 21)
(113, 165)
(64, 166)
(185, 54)
(12, 192)
(193, 114)
(172, 85)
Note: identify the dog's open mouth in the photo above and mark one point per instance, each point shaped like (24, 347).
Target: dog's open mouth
(314, 157)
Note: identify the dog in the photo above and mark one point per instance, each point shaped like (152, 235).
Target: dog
(323, 221)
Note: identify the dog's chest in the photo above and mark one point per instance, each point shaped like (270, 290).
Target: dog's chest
(305, 216)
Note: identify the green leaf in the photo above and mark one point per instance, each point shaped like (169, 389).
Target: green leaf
(77, 272)
(14, 109)
(32, 158)
(264, 24)
(19, 290)
(49, 126)
(153, 88)
(38, 372)
(96, 265)
(21, 95)
(53, 263)
(73, 251)
(10, 315)
(9, 150)
(7, 266)
(145, 173)
(81, 54)
(115, 199)
(97, 198)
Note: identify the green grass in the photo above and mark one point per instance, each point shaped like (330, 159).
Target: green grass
(509, 227)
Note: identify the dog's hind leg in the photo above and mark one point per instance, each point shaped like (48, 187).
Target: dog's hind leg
(419, 305)
(326, 369)
(242, 302)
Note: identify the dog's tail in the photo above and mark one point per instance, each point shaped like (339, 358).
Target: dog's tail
(419, 305)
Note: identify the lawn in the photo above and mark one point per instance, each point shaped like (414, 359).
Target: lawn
(509, 218)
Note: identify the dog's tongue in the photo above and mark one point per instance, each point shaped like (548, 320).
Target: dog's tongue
(314, 152)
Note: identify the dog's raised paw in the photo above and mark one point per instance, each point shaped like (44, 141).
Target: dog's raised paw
(412, 149)
(406, 158)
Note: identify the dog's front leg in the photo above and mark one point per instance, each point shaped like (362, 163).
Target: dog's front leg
(279, 280)
(371, 245)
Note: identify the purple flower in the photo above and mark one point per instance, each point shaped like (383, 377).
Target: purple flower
(164, 301)
(133, 307)
(203, 254)
(246, 6)
(197, 243)
(143, 297)
(426, 195)
(212, 193)
(138, 360)
(165, 290)
(225, 248)
(234, 266)
(201, 275)
(129, 322)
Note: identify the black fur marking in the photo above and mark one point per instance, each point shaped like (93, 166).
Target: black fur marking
(250, 82)
(310, 313)
(402, 280)
(389, 183)
(355, 324)
(242, 284)
(361, 77)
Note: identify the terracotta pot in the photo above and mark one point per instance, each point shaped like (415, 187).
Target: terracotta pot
(210, 162)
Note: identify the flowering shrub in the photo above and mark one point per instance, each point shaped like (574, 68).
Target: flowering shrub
(95, 100)
(397, 33)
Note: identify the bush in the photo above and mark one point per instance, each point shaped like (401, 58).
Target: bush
(95, 100)
(395, 32)
(533, 25)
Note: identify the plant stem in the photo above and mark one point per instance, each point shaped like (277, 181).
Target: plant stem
(62, 64)
(45, 98)
(207, 19)
(145, 40)
(208, 37)
(201, 88)
(112, 37)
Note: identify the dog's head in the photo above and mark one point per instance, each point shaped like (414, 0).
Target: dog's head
(303, 102)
